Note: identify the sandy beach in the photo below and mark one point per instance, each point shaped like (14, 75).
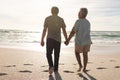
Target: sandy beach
(19, 64)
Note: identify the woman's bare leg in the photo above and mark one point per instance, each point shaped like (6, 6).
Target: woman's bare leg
(85, 60)
(78, 60)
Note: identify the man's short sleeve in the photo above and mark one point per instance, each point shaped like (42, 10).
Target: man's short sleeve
(63, 24)
(45, 23)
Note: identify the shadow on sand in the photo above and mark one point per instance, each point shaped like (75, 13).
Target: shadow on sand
(57, 76)
(86, 76)
(2, 74)
(51, 77)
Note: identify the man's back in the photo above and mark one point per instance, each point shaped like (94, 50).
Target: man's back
(54, 24)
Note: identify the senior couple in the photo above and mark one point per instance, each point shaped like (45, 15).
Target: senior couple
(53, 25)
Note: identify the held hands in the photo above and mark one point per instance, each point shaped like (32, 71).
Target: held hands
(66, 42)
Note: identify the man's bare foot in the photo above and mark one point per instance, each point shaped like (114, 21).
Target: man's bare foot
(51, 70)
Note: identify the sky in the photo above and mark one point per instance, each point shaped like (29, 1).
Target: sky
(104, 15)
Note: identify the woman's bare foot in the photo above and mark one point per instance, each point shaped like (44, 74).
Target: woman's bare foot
(84, 70)
(79, 69)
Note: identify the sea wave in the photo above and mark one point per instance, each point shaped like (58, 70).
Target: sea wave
(21, 36)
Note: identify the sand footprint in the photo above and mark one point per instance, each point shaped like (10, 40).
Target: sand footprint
(101, 68)
(2, 74)
(28, 64)
(45, 71)
(66, 71)
(112, 60)
(44, 66)
(61, 64)
(117, 66)
(74, 64)
(25, 71)
(10, 66)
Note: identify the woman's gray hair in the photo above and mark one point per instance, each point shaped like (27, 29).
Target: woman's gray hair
(84, 11)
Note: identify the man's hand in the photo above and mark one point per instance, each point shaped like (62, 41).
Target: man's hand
(42, 43)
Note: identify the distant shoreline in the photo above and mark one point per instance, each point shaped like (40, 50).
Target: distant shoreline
(67, 30)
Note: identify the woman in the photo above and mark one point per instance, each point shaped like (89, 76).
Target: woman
(82, 38)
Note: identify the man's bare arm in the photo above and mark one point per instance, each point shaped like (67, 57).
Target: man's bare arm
(43, 36)
(64, 33)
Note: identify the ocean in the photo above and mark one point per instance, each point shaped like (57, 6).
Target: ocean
(31, 39)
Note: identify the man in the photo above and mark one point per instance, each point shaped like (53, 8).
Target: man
(53, 25)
